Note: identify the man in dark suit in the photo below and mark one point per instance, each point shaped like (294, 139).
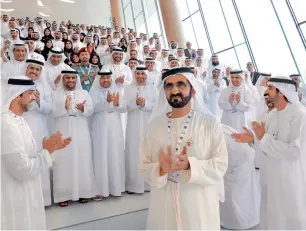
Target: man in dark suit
(190, 53)
(254, 74)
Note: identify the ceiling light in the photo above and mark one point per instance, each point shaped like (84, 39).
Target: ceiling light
(68, 1)
(5, 1)
(39, 2)
(45, 15)
(7, 10)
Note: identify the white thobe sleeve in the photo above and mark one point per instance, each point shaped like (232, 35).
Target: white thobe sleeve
(243, 106)
(130, 100)
(15, 159)
(149, 170)
(88, 108)
(58, 106)
(149, 104)
(211, 171)
(290, 150)
(46, 103)
(129, 76)
(223, 101)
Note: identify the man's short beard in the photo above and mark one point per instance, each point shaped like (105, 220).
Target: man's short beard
(181, 104)
(215, 63)
(70, 88)
(75, 39)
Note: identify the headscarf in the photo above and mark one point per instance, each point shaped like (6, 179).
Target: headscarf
(16, 86)
(58, 52)
(96, 82)
(15, 45)
(70, 71)
(287, 87)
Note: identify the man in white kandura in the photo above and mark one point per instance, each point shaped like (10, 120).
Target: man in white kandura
(107, 136)
(36, 116)
(283, 172)
(236, 101)
(301, 89)
(139, 98)
(240, 209)
(22, 203)
(73, 168)
(216, 84)
(183, 158)
(261, 85)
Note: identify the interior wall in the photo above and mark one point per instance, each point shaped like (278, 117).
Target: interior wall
(96, 12)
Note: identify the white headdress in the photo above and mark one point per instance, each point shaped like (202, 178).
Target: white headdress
(162, 106)
(70, 71)
(58, 52)
(287, 87)
(103, 72)
(139, 68)
(15, 45)
(16, 86)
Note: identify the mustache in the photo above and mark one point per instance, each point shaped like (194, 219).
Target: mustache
(175, 95)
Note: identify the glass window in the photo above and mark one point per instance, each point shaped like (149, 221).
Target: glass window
(189, 33)
(129, 21)
(266, 38)
(299, 8)
(216, 25)
(140, 24)
(229, 58)
(200, 35)
(137, 7)
(243, 55)
(152, 17)
(124, 3)
(183, 9)
(232, 21)
(291, 33)
(193, 6)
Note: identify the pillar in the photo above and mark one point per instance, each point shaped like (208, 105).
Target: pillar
(116, 12)
(172, 21)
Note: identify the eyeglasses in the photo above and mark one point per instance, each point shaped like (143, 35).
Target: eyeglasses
(180, 85)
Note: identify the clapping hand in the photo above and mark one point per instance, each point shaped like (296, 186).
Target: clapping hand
(237, 97)
(259, 129)
(55, 142)
(67, 102)
(165, 161)
(140, 101)
(300, 96)
(232, 97)
(120, 80)
(181, 162)
(58, 79)
(116, 99)
(81, 106)
(109, 97)
(246, 137)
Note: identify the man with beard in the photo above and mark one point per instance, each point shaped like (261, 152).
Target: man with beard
(39, 45)
(4, 25)
(236, 101)
(53, 29)
(57, 42)
(215, 86)
(281, 138)
(300, 89)
(54, 65)
(173, 48)
(189, 52)
(85, 70)
(132, 63)
(107, 137)
(186, 163)
(103, 49)
(262, 85)
(214, 63)
(36, 117)
(14, 36)
(72, 106)
(32, 47)
(139, 98)
(253, 74)
(22, 205)
(76, 43)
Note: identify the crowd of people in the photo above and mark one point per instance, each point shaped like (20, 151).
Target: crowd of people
(101, 88)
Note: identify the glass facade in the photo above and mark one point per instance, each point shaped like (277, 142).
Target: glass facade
(269, 33)
(144, 16)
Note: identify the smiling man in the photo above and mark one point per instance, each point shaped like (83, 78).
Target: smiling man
(183, 157)
(71, 108)
(281, 138)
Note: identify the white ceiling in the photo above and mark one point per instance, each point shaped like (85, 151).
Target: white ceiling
(82, 11)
